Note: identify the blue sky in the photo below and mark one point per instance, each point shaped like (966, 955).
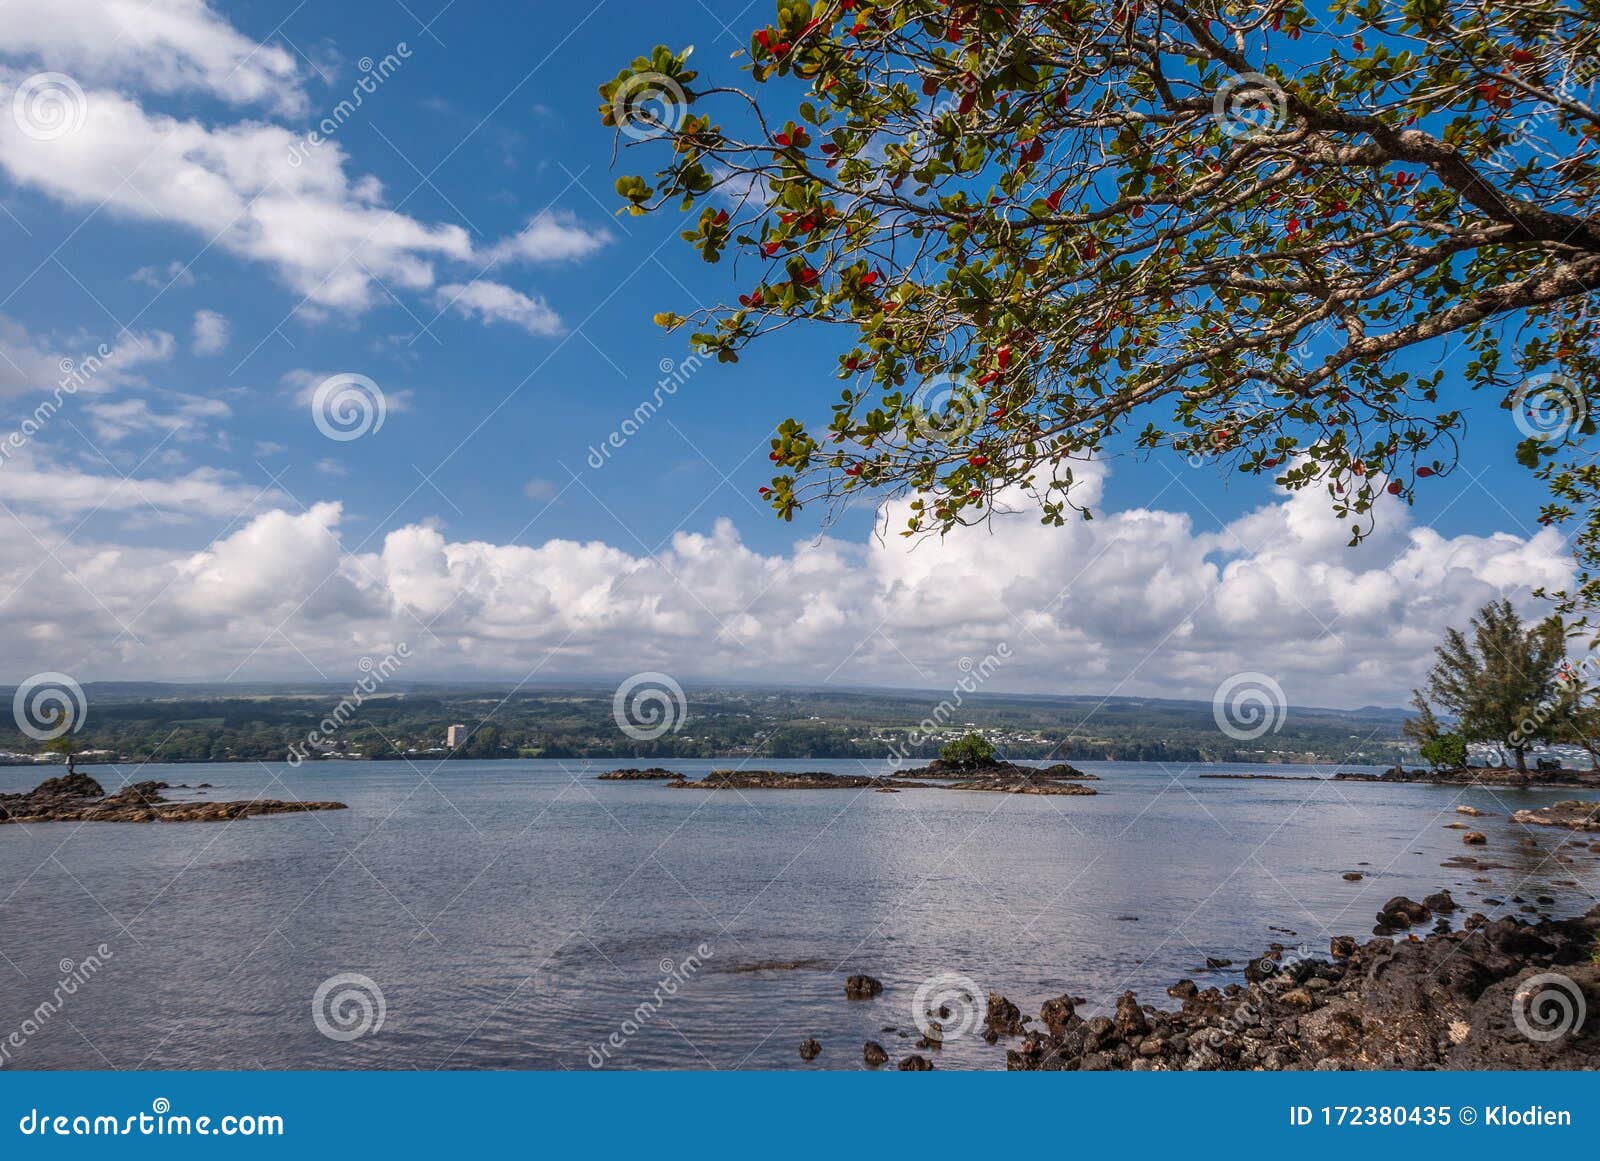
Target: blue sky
(502, 361)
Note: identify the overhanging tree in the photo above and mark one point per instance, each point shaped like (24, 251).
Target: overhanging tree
(1246, 231)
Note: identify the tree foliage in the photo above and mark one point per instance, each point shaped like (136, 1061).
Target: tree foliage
(966, 752)
(1052, 230)
(1446, 752)
(1503, 684)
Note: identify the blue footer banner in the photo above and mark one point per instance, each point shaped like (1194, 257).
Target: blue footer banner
(670, 1115)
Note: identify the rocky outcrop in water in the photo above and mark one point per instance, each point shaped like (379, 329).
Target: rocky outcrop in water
(633, 774)
(1499, 995)
(939, 768)
(1572, 814)
(1002, 778)
(777, 780)
(79, 798)
(1477, 776)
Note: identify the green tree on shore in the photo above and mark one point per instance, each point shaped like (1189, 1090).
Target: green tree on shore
(1502, 683)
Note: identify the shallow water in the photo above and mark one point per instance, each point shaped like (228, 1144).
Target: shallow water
(517, 914)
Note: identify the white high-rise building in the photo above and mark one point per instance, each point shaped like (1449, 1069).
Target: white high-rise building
(454, 736)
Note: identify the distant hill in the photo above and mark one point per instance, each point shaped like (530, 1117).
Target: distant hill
(197, 721)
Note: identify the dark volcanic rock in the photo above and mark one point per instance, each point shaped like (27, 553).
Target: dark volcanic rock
(1402, 913)
(942, 769)
(1479, 776)
(862, 987)
(1002, 1017)
(873, 1053)
(633, 774)
(915, 1064)
(1003, 778)
(79, 798)
(809, 1049)
(1572, 814)
(69, 786)
(1456, 1000)
(782, 780)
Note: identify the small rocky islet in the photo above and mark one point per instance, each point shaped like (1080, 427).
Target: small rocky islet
(997, 777)
(1479, 776)
(79, 798)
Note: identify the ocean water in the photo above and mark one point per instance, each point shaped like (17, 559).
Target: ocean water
(521, 914)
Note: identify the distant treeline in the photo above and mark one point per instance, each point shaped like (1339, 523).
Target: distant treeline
(715, 724)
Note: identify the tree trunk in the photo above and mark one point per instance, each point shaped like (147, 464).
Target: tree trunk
(1522, 763)
(72, 763)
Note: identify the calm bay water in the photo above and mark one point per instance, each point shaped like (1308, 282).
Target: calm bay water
(517, 914)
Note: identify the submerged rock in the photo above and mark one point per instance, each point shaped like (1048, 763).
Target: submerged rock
(873, 1053)
(809, 1049)
(862, 987)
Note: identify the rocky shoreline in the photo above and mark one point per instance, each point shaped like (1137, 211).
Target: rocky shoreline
(79, 798)
(1455, 999)
(996, 777)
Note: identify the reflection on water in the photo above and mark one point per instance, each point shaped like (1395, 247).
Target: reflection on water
(522, 914)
